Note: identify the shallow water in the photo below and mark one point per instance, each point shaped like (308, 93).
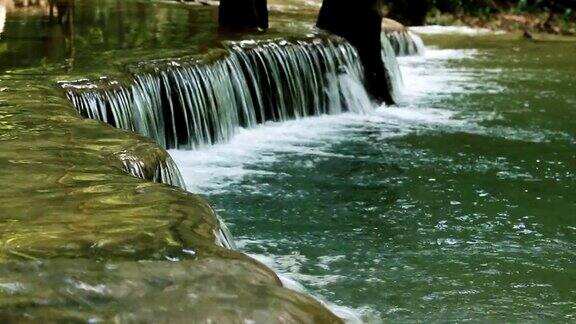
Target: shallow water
(456, 205)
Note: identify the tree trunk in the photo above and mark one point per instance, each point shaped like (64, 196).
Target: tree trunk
(409, 12)
(360, 23)
(240, 14)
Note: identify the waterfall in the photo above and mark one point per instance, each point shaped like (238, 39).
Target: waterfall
(405, 42)
(2, 17)
(166, 172)
(188, 103)
(396, 83)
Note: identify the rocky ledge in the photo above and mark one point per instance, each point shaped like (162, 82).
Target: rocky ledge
(83, 239)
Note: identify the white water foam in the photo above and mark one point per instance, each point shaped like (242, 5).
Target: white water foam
(2, 17)
(213, 169)
(427, 76)
(462, 30)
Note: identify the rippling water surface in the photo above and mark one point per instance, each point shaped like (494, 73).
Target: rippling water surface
(458, 204)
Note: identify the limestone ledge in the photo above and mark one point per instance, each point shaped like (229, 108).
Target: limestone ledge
(81, 239)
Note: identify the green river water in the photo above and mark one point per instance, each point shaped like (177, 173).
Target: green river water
(458, 204)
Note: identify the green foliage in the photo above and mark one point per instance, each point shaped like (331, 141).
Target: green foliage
(480, 7)
(569, 15)
(486, 7)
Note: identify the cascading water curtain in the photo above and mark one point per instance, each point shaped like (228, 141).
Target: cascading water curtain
(187, 104)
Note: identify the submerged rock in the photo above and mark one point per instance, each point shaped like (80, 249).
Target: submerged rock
(149, 161)
(69, 197)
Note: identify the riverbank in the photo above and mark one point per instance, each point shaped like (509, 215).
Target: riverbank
(540, 23)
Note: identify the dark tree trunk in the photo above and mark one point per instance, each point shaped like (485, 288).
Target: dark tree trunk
(243, 14)
(409, 12)
(360, 23)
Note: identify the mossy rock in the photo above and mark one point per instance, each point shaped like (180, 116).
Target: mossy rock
(210, 290)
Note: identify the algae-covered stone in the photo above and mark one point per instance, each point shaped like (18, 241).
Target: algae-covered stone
(389, 25)
(212, 290)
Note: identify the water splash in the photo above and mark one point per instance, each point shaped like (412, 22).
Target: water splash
(405, 43)
(192, 104)
(2, 17)
(166, 172)
(224, 236)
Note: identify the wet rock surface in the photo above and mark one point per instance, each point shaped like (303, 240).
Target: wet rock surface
(207, 290)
